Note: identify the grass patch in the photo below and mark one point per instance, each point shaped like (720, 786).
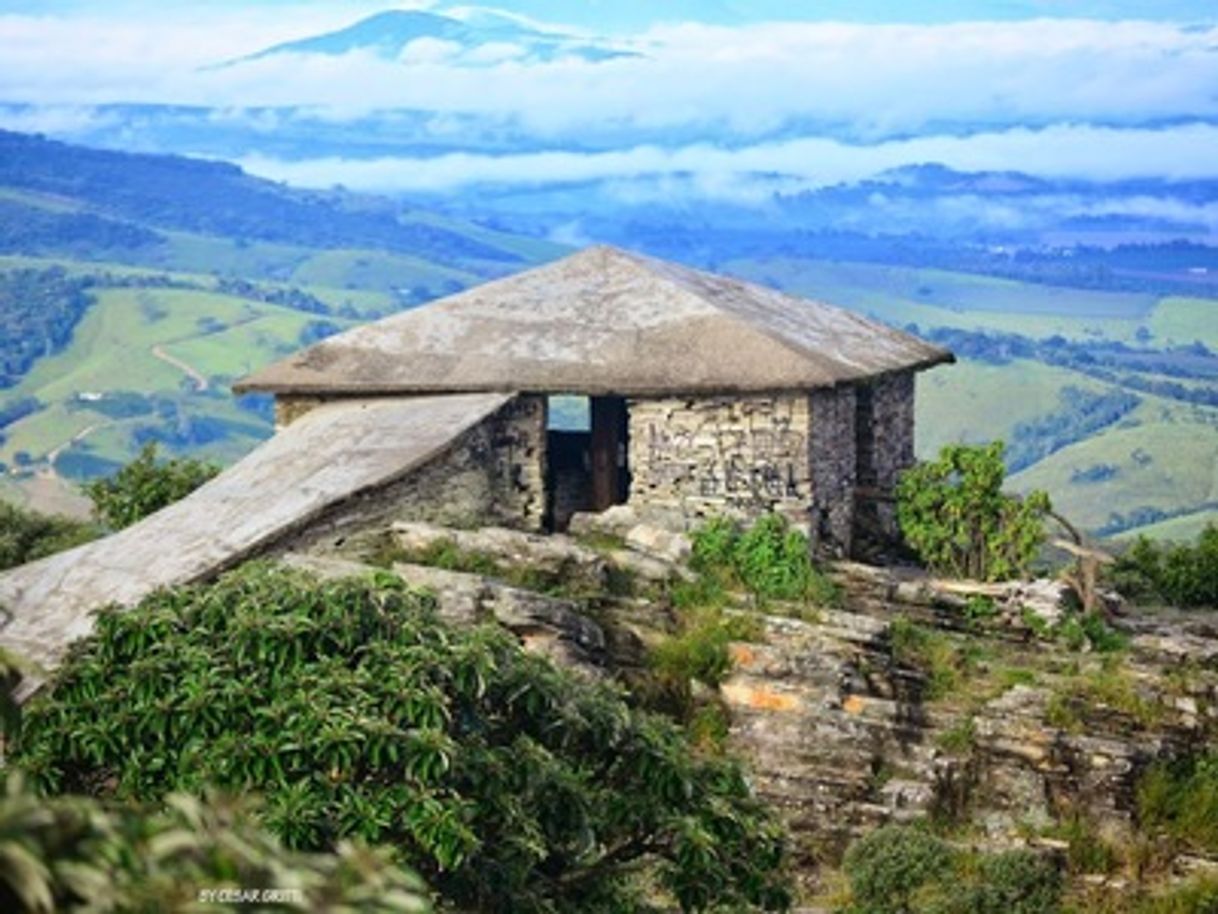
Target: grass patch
(699, 649)
(1110, 686)
(946, 664)
(960, 738)
(1088, 852)
(1179, 800)
(569, 581)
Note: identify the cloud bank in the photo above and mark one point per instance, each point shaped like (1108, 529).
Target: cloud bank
(1095, 153)
(807, 103)
(885, 80)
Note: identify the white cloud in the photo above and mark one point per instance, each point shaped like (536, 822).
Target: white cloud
(752, 172)
(878, 81)
(63, 121)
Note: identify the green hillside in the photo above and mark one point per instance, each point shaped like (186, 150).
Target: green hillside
(139, 287)
(166, 278)
(1151, 466)
(937, 298)
(145, 363)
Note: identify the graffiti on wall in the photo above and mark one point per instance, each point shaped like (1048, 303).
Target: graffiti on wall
(762, 463)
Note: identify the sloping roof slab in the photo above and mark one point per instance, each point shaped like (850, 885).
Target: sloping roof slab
(605, 321)
(330, 454)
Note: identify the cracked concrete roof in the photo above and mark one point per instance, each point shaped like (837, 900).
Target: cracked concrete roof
(330, 454)
(604, 321)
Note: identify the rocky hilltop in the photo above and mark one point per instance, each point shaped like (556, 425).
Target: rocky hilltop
(979, 708)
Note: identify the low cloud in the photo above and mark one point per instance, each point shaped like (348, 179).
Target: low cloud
(751, 82)
(1098, 153)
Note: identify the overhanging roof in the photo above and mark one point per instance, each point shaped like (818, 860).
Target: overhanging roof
(603, 321)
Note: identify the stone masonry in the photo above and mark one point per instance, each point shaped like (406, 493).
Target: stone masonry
(804, 455)
(884, 435)
(737, 456)
(831, 456)
(493, 475)
(290, 408)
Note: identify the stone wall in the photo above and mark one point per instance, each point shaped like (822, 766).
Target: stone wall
(831, 455)
(493, 475)
(289, 408)
(738, 456)
(884, 428)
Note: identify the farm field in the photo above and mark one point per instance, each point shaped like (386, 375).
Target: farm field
(938, 298)
(1143, 473)
(124, 379)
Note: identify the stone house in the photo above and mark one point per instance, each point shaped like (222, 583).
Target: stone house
(699, 395)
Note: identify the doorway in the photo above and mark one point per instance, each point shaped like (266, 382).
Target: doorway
(587, 457)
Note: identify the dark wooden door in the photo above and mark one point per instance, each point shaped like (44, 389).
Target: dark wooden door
(610, 479)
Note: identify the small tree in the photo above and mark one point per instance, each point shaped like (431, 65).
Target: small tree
(145, 485)
(955, 515)
(28, 535)
(511, 785)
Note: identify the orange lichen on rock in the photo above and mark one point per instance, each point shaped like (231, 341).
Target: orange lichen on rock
(760, 699)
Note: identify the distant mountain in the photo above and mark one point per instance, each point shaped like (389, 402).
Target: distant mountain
(83, 197)
(478, 37)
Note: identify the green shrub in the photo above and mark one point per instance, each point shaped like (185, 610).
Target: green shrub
(1088, 853)
(510, 784)
(1014, 882)
(1180, 575)
(901, 869)
(1179, 799)
(714, 546)
(1198, 896)
(954, 514)
(770, 560)
(699, 650)
(28, 535)
(74, 854)
(1109, 687)
(888, 867)
(144, 486)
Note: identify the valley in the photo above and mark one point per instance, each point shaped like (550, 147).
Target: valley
(1118, 419)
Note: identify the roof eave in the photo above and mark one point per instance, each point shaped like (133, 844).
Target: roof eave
(254, 385)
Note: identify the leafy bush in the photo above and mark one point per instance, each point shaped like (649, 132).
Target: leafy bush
(954, 514)
(144, 486)
(27, 535)
(1198, 896)
(1181, 574)
(769, 559)
(901, 869)
(887, 868)
(1078, 631)
(1015, 882)
(73, 854)
(1179, 799)
(699, 651)
(511, 785)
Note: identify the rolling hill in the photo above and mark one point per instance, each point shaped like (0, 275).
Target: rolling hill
(1109, 399)
(158, 280)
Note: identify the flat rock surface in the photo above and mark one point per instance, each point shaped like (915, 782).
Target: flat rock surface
(330, 454)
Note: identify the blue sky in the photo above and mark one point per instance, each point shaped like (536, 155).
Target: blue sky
(618, 14)
(715, 89)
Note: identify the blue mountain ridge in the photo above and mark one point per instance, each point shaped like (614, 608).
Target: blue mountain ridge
(388, 33)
